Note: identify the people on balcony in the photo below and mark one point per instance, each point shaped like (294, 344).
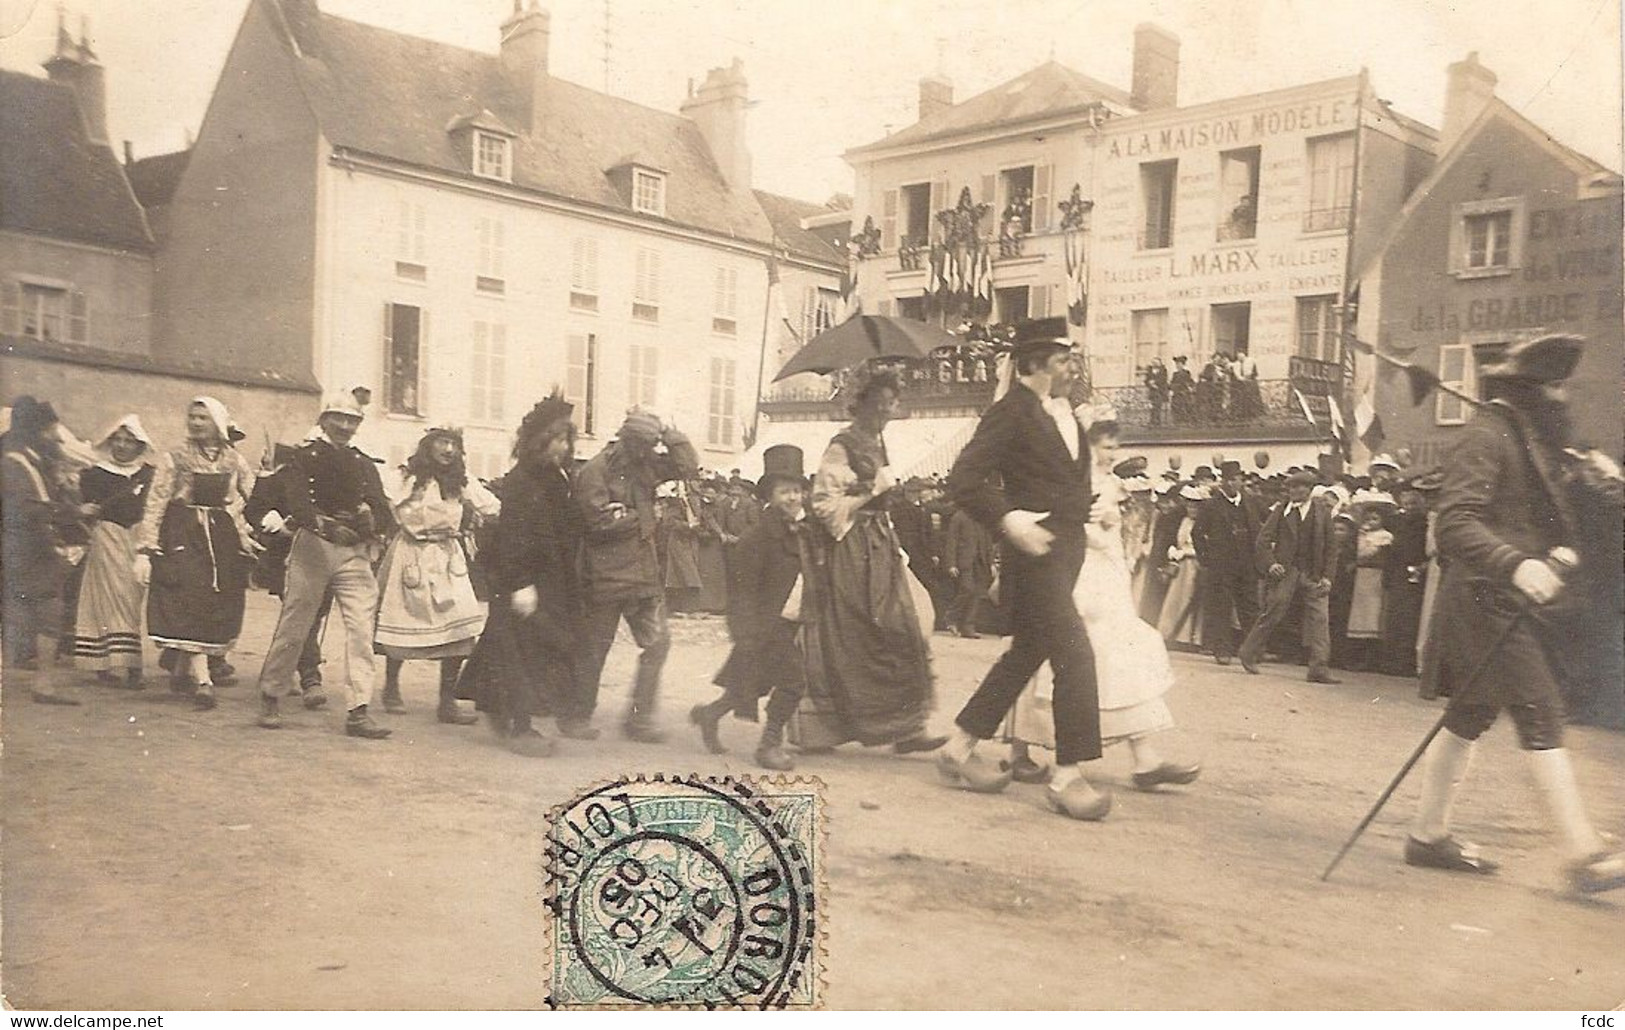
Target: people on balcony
(1156, 388)
(1182, 390)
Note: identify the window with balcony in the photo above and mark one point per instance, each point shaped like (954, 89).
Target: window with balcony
(646, 286)
(648, 192)
(488, 371)
(916, 205)
(581, 380)
(411, 240)
(492, 246)
(1331, 182)
(1232, 324)
(725, 302)
(643, 365)
(721, 429)
(1012, 304)
(1016, 191)
(1149, 330)
(492, 157)
(44, 312)
(1317, 328)
(1157, 179)
(584, 274)
(1238, 194)
(405, 359)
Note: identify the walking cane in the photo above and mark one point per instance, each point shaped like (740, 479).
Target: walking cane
(1561, 558)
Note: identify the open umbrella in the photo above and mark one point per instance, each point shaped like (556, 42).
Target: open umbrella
(862, 337)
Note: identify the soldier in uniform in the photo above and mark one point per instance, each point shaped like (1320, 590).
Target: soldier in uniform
(1506, 531)
(340, 516)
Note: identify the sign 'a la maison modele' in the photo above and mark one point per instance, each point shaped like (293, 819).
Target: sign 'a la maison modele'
(1324, 116)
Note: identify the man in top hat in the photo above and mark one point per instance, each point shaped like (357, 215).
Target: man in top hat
(339, 514)
(1025, 475)
(1225, 532)
(616, 492)
(1296, 554)
(1506, 534)
(766, 659)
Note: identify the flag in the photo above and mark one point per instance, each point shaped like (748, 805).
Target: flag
(1339, 429)
(1367, 423)
(1422, 382)
(1303, 403)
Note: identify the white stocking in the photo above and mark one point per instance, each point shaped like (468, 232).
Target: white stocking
(1554, 773)
(1448, 759)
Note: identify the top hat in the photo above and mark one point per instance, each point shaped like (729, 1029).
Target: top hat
(1040, 336)
(780, 463)
(1229, 468)
(32, 416)
(1545, 359)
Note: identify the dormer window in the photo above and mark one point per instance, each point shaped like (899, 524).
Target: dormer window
(648, 192)
(492, 159)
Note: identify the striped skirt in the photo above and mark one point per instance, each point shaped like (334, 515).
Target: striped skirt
(107, 627)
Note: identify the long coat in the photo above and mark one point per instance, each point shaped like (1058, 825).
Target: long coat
(1225, 533)
(762, 573)
(1503, 501)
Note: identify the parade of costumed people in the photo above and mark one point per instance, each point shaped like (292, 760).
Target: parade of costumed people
(195, 549)
(765, 615)
(427, 606)
(1132, 669)
(113, 495)
(869, 659)
(528, 664)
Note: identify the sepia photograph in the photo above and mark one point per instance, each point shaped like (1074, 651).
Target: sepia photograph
(904, 505)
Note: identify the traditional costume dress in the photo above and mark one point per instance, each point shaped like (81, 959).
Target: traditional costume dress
(194, 527)
(869, 664)
(427, 607)
(107, 625)
(1180, 621)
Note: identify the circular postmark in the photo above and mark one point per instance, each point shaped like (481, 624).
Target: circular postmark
(684, 892)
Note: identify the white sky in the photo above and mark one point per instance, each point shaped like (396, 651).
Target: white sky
(831, 74)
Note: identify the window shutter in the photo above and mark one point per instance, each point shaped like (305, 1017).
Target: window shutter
(423, 361)
(498, 374)
(78, 317)
(990, 195)
(1041, 191)
(388, 378)
(939, 202)
(1038, 303)
(478, 353)
(11, 303)
(497, 245)
(888, 221)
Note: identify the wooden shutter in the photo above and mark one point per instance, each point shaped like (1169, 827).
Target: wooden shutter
(990, 196)
(1041, 194)
(1038, 300)
(423, 362)
(498, 374)
(888, 221)
(11, 308)
(78, 316)
(939, 202)
(480, 372)
(389, 357)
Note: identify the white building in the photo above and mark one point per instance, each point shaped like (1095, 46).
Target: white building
(461, 231)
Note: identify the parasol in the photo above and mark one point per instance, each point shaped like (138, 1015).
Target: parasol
(862, 337)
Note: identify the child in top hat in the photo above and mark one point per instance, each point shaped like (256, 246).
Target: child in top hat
(766, 657)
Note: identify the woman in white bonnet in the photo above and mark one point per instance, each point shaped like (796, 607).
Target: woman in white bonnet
(113, 495)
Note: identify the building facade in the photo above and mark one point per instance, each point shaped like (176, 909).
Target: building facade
(1513, 236)
(1161, 231)
(462, 231)
(77, 270)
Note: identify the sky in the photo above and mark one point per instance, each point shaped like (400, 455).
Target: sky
(828, 75)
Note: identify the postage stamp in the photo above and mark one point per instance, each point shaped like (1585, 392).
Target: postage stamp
(687, 892)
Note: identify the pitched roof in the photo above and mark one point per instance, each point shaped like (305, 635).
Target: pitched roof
(1046, 91)
(786, 214)
(392, 95)
(53, 180)
(154, 178)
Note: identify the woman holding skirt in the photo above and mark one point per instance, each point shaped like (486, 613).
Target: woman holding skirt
(195, 547)
(113, 495)
(427, 608)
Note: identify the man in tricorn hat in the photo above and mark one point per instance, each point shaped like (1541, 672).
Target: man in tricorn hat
(1506, 532)
(1226, 528)
(766, 658)
(1025, 476)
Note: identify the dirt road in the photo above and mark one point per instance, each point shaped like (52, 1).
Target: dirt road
(155, 857)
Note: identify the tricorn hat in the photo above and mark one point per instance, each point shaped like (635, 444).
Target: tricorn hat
(781, 463)
(1545, 359)
(1040, 336)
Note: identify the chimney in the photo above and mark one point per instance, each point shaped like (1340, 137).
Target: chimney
(936, 94)
(75, 65)
(1469, 89)
(1156, 68)
(718, 108)
(526, 37)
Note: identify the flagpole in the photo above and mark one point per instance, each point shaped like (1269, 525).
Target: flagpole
(1405, 366)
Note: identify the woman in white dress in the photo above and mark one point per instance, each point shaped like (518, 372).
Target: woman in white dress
(1131, 660)
(427, 607)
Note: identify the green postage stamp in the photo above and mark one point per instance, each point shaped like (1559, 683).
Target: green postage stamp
(687, 892)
